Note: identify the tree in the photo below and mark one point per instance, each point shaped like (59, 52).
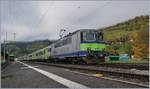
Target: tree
(141, 43)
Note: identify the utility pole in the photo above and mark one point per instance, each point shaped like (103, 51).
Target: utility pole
(6, 42)
(14, 37)
(5, 47)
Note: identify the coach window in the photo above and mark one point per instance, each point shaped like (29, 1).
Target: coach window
(41, 53)
(49, 50)
(56, 45)
(69, 40)
(63, 42)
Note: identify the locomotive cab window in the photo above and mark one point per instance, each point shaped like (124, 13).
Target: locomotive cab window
(89, 36)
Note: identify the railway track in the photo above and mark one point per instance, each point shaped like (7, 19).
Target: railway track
(141, 66)
(127, 73)
(4, 65)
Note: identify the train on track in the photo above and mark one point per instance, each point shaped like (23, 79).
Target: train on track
(81, 46)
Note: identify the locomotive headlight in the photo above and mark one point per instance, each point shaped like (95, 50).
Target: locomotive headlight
(101, 55)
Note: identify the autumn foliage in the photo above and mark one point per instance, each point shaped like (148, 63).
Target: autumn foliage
(130, 37)
(141, 43)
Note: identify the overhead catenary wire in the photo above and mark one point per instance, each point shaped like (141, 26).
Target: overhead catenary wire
(80, 7)
(43, 15)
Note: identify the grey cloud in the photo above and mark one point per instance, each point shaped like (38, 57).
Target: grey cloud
(33, 20)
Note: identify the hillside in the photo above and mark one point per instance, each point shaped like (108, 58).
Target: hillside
(126, 28)
(22, 48)
(129, 37)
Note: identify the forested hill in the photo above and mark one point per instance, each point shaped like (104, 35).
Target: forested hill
(115, 32)
(22, 48)
(131, 37)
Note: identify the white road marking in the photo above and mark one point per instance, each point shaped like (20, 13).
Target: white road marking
(27, 67)
(57, 78)
(144, 85)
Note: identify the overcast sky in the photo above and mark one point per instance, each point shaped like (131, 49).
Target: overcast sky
(37, 20)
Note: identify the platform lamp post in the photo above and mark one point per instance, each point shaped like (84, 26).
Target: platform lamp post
(130, 49)
(5, 47)
(14, 37)
(4, 50)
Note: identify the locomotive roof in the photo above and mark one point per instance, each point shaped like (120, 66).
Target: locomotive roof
(80, 30)
(70, 34)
